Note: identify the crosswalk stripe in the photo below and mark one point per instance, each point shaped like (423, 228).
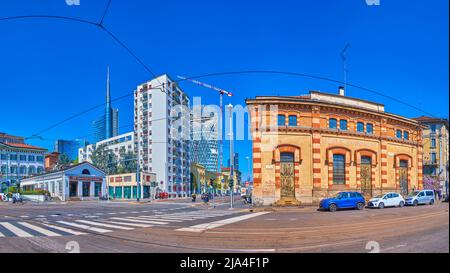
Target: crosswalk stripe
(203, 227)
(66, 230)
(103, 225)
(130, 219)
(129, 224)
(158, 219)
(40, 230)
(1, 235)
(100, 230)
(17, 231)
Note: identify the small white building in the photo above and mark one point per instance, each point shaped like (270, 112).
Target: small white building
(80, 182)
(115, 144)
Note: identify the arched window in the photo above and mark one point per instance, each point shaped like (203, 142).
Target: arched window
(86, 172)
(369, 128)
(406, 135)
(40, 170)
(31, 170)
(343, 124)
(399, 134)
(338, 169)
(281, 120)
(333, 123)
(360, 127)
(292, 120)
(22, 170)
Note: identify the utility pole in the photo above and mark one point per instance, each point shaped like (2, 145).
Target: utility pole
(230, 109)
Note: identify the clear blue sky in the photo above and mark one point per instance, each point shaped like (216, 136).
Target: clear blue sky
(51, 69)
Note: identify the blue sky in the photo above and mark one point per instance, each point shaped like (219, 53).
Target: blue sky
(52, 69)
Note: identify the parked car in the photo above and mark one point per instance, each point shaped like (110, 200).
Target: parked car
(420, 197)
(391, 199)
(343, 200)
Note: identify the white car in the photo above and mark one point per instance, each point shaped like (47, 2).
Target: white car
(391, 199)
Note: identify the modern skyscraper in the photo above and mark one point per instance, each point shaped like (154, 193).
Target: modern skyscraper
(162, 133)
(204, 141)
(107, 126)
(69, 147)
(235, 161)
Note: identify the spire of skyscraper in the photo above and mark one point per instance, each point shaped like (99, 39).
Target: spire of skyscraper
(108, 109)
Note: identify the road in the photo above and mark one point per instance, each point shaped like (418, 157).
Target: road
(179, 226)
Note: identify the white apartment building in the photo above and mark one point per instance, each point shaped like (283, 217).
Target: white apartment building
(115, 144)
(163, 133)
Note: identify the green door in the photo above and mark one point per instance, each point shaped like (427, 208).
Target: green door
(111, 191)
(127, 192)
(119, 192)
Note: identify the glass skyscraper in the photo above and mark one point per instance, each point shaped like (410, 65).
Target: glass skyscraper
(107, 126)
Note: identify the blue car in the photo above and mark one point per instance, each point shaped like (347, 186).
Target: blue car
(343, 200)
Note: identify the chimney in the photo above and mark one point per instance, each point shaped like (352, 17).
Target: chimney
(341, 91)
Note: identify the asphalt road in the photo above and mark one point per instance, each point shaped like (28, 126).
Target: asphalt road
(182, 226)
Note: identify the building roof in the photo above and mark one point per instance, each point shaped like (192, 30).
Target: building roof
(65, 169)
(22, 146)
(316, 97)
(426, 119)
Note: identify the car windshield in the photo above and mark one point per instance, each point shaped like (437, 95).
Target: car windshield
(414, 193)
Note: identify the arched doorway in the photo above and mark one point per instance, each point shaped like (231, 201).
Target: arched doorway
(403, 177)
(366, 175)
(287, 176)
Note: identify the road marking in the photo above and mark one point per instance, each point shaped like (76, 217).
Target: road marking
(212, 225)
(67, 230)
(103, 225)
(99, 213)
(130, 219)
(112, 213)
(157, 219)
(40, 230)
(69, 215)
(100, 230)
(91, 216)
(17, 231)
(129, 224)
(55, 215)
(1, 235)
(24, 216)
(40, 216)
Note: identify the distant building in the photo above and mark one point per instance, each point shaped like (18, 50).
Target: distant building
(235, 161)
(115, 144)
(124, 186)
(51, 160)
(69, 147)
(18, 160)
(163, 138)
(107, 126)
(79, 182)
(204, 141)
(435, 151)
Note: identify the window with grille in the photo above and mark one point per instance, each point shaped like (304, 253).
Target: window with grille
(339, 169)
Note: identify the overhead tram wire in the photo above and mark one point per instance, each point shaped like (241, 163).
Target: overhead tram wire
(117, 40)
(248, 72)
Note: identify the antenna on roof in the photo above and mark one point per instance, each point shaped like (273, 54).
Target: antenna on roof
(344, 61)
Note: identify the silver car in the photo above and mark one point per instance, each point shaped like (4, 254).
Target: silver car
(420, 197)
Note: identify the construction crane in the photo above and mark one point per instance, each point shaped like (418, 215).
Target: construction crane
(221, 93)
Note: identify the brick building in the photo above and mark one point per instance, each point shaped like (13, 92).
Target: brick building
(313, 146)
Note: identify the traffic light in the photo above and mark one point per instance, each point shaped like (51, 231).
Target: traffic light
(231, 183)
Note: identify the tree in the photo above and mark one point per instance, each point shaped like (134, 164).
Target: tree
(127, 163)
(104, 159)
(63, 161)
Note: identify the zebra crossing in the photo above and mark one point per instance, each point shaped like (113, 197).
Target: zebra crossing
(54, 227)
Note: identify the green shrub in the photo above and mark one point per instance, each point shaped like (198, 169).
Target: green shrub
(36, 192)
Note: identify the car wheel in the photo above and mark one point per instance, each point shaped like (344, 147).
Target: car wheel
(401, 204)
(360, 206)
(381, 205)
(432, 202)
(333, 208)
(415, 203)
